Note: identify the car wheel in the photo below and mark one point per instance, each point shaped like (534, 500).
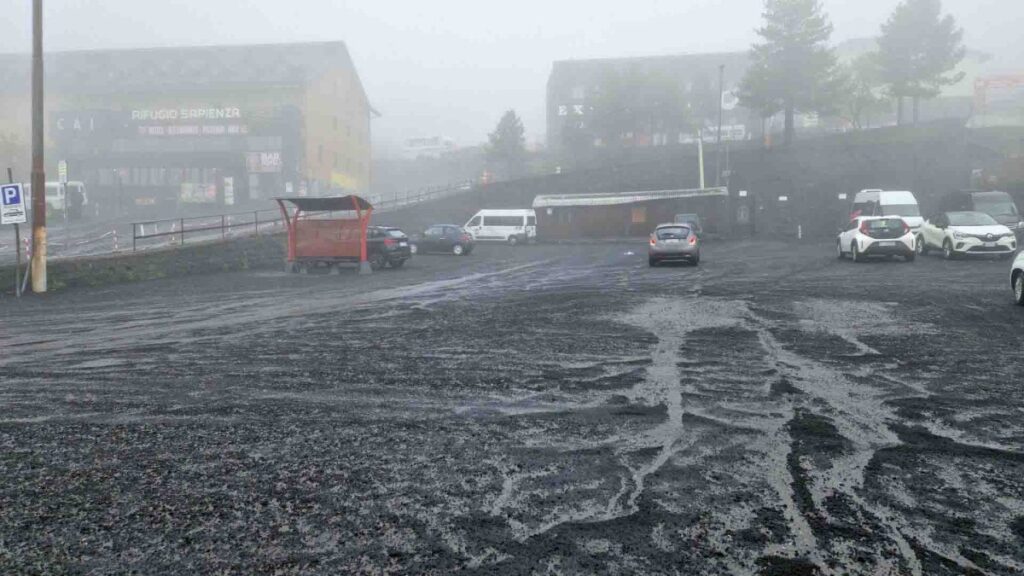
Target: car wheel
(922, 246)
(413, 249)
(947, 250)
(839, 250)
(652, 262)
(513, 240)
(397, 263)
(696, 260)
(909, 258)
(378, 261)
(856, 253)
(458, 250)
(1018, 288)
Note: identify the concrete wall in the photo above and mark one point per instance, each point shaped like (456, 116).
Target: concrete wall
(263, 252)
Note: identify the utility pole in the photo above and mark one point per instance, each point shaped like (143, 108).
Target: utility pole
(718, 142)
(38, 172)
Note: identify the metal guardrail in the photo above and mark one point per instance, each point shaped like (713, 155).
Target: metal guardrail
(225, 224)
(207, 226)
(411, 198)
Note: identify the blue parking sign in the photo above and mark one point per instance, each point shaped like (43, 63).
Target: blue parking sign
(12, 204)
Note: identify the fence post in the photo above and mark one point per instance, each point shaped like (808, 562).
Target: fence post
(134, 236)
(181, 224)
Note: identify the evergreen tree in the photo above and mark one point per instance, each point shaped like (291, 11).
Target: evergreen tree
(508, 143)
(793, 69)
(918, 51)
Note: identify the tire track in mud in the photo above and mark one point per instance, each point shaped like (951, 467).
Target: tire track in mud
(802, 431)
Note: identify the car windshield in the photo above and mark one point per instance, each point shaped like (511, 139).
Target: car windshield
(971, 219)
(906, 210)
(674, 233)
(995, 203)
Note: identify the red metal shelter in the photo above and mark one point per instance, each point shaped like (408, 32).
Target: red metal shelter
(326, 231)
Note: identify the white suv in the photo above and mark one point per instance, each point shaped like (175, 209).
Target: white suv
(962, 233)
(868, 236)
(1017, 279)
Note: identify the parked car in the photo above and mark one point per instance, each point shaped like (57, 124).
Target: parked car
(693, 221)
(962, 233)
(387, 247)
(888, 203)
(998, 205)
(511, 226)
(673, 243)
(445, 238)
(1017, 279)
(867, 236)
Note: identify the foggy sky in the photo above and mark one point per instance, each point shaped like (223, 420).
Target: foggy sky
(451, 67)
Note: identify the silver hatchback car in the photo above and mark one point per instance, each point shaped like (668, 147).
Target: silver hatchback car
(673, 243)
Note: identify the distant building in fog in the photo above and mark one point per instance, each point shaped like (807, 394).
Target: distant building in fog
(158, 128)
(590, 101)
(433, 147)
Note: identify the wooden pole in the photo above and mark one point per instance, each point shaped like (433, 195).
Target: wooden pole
(38, 172)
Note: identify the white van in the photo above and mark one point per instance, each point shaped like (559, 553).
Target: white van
(888, 203)
(512, 226)
(55, 194)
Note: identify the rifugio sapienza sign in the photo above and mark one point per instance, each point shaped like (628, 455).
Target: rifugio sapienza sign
(12, 204)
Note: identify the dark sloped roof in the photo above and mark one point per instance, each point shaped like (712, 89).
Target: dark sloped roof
(330, 204)
(177, 69)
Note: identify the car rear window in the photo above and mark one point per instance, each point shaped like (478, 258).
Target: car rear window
(674, 233)
(887, 224)
(396, 233)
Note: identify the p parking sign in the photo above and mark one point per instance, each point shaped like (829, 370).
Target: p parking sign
(12, 204)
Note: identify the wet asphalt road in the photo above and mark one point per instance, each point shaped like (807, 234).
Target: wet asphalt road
(546, 409)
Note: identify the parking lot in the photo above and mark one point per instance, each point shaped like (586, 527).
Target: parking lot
(540, 409)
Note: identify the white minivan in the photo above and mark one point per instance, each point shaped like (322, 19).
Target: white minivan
(512, 226)
(888, 203)
(55, 197)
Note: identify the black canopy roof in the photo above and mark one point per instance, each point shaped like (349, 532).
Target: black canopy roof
(330, 204)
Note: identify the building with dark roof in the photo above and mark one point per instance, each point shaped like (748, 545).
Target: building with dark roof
(220, 124)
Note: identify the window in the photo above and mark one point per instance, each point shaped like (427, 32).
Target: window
(674, 233)
(907, 210)
(475, 221)
(531, 220)
(503, 221)
(436, 231)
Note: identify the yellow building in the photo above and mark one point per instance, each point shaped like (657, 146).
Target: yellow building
(152, 129)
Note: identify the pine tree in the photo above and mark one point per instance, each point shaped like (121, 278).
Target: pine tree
(508, 143)
(793, 69)
(918, 51)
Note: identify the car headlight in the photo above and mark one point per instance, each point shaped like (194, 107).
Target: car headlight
(959, 235)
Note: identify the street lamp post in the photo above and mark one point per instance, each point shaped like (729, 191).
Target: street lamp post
(718, 140)
(38, 172)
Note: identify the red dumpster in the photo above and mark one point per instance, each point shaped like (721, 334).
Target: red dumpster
(328, 232)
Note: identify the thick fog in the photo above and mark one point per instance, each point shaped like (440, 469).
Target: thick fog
(449, 68)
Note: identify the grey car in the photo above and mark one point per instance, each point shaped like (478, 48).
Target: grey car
(673, 243)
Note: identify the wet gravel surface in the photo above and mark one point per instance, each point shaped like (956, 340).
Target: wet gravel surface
(540, 410)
